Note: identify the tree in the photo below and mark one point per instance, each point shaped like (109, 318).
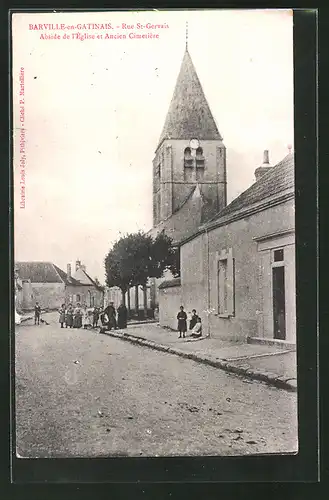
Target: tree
(119, 267)
(140, 246)
(164, 256)
(136, 257)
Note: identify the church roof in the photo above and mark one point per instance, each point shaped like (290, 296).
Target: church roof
(189, 114)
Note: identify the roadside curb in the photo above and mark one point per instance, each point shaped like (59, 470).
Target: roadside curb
(142, 322)
(287, 383)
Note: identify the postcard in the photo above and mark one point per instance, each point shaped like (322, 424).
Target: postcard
(154, 233)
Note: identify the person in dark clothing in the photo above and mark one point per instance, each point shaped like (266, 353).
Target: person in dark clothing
(95, 317)
(193, 319)
(102, 317)
(69, 316)
(182, 324)
(37, 313)
(77, 318)
(111, 313)
(122, 316)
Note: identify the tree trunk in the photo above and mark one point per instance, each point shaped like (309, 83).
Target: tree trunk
(145, 301)
(123, 297)
(128, 299)
(136, 300)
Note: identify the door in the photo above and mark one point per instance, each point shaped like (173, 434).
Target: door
(279, 302)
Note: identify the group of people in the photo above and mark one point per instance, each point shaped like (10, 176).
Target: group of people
(82, 317)
(195, 324)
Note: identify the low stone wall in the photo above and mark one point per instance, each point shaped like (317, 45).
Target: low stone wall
(170, 299)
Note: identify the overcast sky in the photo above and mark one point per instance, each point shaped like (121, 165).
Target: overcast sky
(94, 111)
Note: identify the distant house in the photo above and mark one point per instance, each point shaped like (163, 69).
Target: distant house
(46, 283)
(82, 288)
(238, 269)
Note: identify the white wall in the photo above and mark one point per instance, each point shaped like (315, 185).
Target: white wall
(170, 299)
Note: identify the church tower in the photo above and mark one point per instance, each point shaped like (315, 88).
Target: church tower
(190, 152)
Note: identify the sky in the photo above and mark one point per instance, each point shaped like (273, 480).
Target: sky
(94, 111)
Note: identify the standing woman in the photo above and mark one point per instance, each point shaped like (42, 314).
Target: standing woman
(122, 316)
(85, 316)
(182, 323)
(69, 316)
(77, 319)
(62, 315)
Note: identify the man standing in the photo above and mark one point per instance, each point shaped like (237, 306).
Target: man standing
(111, 314)
(37, 312)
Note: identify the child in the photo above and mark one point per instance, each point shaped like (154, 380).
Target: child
(62, 315)
(193, 319)
(37, 312)
(182, 324)
(197, 329)
(95, 317)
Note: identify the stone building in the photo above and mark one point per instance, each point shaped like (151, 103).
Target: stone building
(238, 269)
(82, 288)
(189, 167)
(46, 283)
(41, 282)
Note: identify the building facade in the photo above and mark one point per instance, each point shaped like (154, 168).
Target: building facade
(80, 287)
(50, 286)
(238, 270)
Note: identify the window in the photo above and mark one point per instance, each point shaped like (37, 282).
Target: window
(78, 298)
(157, 177)
(225, 283)
(222, 286)
(278, 255)
(199, 158)
(188, 158)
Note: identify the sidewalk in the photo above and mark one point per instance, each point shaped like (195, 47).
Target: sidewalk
(259, 362)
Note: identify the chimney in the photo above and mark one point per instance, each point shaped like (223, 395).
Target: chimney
(265, 166)
(69, 271)
(266, 160)
(77, 264)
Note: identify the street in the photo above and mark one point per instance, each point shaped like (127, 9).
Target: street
(83, 394)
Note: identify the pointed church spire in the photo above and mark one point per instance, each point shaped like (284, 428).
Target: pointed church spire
(189, 114)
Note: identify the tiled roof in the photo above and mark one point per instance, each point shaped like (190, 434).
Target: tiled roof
(42, 272)
(94, 282)
(38, 272)
(83, 278)
(65, 278)
(189, 114)
(278, 179)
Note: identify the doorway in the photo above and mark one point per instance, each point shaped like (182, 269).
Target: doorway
(279, 303)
